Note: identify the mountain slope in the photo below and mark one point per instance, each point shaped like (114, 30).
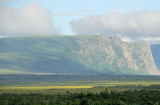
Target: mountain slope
(76, 54)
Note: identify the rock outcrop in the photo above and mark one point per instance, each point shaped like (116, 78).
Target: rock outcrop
(117, 54)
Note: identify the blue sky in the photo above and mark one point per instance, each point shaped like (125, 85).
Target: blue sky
(64, 12)
(75, 5)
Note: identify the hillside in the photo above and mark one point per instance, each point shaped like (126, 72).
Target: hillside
(76, 54)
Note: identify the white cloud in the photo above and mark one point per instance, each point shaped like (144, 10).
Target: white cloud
(126, 39)
(30, 19)
(151, 40)
(131, 25)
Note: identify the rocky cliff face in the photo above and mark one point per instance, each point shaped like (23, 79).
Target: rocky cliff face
(111, 53)
(76, 54)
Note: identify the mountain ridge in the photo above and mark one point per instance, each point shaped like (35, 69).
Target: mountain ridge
(76, 54)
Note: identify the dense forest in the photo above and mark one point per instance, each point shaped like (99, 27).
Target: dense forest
(141, 97)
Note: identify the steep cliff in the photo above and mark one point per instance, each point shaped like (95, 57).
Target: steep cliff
(111, 53)
(76, 54)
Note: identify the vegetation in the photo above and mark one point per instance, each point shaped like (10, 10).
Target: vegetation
(21, 80)
(7, 71)
(72, 89)
(113, 97)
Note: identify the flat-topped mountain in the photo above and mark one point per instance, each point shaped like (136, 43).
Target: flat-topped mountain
(75, 54)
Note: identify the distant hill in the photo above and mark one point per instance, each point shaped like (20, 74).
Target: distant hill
(155, 48)
(76, 54)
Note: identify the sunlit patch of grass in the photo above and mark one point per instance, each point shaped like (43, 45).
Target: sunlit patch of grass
(131, 83)
(45, 87)
(8, 71)
(54, 58)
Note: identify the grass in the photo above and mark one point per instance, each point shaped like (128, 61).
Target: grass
(145, 83)
(77, 88)
(44, 87)
(60, 83)
(74, 85)
(71, 89)
(8, 71)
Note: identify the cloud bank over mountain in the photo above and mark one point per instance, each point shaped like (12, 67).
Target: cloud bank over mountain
(33, 19)
(142, 24)
(30, 19)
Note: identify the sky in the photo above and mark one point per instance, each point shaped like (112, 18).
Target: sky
(133, 20)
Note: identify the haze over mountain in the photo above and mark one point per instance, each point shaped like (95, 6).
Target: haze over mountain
(75, 54)
(155, 48)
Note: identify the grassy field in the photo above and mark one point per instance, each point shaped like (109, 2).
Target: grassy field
(79, 89)
(55, 84)
(8, 71)
(84, 87)
(63, 90)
